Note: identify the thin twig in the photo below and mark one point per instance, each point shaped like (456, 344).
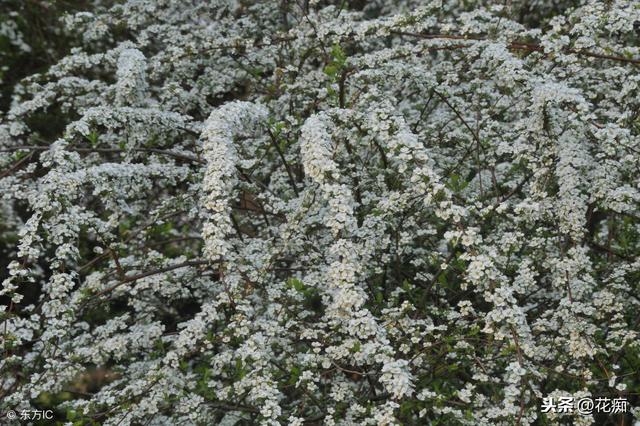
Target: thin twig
(516, 45)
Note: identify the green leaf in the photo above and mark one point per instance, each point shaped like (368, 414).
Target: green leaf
(331, 70)
(92, 138)
(338, 55)
(71, 415)
(296, 284)
(295, 374)
(19, 155)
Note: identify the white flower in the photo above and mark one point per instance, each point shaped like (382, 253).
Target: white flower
(397, 378)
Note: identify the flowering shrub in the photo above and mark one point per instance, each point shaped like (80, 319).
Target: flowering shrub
(314, 212)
